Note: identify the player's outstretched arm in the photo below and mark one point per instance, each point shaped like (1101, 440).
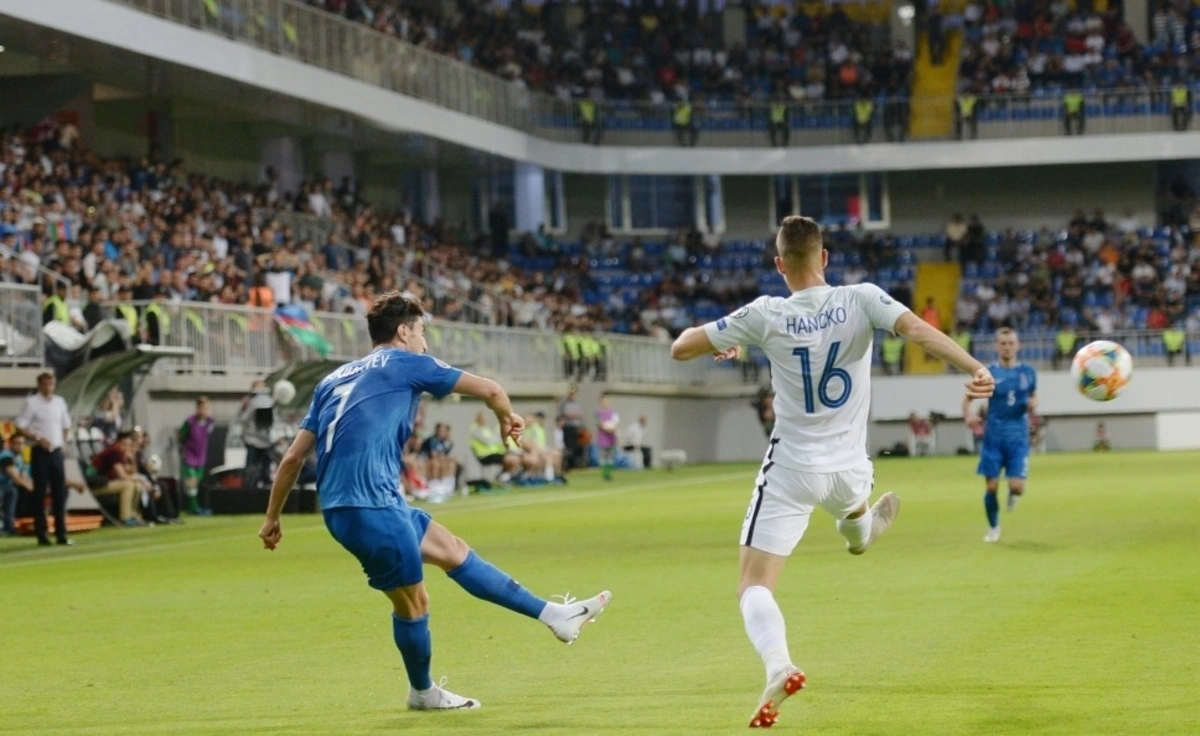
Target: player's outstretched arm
(693, 343)
(285, 479)
(492, 394)
(939, 345)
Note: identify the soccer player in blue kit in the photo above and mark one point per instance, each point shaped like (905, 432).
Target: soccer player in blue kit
(360, 418)
(1006, 433)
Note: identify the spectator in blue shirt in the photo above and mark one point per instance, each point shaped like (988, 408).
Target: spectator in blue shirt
(14, 478)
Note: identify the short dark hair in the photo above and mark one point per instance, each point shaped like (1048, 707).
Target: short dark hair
(45, 376)
(126, 435)
(389, 312)
(799, 238)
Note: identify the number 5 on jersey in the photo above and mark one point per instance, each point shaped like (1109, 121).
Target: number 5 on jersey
(828, 374)
(343, 394)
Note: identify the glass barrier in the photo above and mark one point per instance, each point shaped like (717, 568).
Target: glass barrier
(21, 326)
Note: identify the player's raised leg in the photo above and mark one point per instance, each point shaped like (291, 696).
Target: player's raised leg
(487, 582)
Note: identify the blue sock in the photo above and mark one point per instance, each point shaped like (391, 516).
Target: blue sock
(992, 505)
(416, 647)
(485, 581)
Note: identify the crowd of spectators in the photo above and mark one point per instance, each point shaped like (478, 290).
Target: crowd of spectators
(1053, 45)
(143, 229)
(1095, 273)
(658, 52)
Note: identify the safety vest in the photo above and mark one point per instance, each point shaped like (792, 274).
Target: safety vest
(290, 33)
(863, 109)
(1065, 340)
(435, 336)
(484, 441)
(571, 344)
(61, 312)
(1173, 338)
(778, 113)
(212, 8)
(537, 435)
(589, 346)
(160, 314)
(1179, 96)
(1073, 102)
(128, 313)
(683, 114)
(351, 332)
(587, 112)
(193, 318)
(966, 105)
(893, 349)
(963, 339)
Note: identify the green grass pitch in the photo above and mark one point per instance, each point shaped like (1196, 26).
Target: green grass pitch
(1085, 620)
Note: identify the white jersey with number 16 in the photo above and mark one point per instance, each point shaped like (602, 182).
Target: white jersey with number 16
(819, 341)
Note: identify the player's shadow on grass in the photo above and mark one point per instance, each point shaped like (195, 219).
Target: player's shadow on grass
(1038, 547)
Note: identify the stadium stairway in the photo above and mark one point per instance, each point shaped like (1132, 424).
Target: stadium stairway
(933, 90)
(940, 282)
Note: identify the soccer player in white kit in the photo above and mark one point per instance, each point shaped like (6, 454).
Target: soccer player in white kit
(819, 341)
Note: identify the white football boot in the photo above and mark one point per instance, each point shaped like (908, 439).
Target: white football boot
(883, 513)
(787, 683)
(1013, 500)
(993, 535)
(567, 618)
(439, 698)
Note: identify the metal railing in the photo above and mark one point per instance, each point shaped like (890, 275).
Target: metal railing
(295, 30)
(1041, 348)
(21, 326)
(246, 340)
(40, 274)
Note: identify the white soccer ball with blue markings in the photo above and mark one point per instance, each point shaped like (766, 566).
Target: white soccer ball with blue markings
(1101, 370)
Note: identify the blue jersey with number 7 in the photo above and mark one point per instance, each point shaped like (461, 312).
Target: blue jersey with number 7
(1009, 405)
(362, 414)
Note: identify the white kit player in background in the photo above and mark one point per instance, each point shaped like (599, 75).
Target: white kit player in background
(819, 341)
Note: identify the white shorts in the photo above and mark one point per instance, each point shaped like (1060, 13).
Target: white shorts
(783, 499)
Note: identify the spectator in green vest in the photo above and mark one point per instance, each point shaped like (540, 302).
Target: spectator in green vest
(966, 116)
(590, 121)
(1073, 112)
(962, 336)
(1175, 343)
(864, 117)
(1181, 106)
(779, 123)
(892, 354)
(683, 120)
(54, 307)
(1064, 344)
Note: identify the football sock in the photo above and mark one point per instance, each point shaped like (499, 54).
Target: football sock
(485, 581)
(416, 648)
(766, 629)
(991, 504)
(856, 531)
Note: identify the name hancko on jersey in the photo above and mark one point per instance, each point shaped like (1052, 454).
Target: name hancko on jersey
(819, 321)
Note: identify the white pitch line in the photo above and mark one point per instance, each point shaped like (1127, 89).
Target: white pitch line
(500, 504)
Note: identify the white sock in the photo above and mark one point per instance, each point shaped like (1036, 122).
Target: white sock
(549, 472)
(856, 531)
(766, 629)
(551, 613)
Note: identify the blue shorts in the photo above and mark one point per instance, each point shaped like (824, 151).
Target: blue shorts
(1009, 455)
(386, 541)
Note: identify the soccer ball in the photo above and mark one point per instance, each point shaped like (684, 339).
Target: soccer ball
(284, 392)
(1101, 370)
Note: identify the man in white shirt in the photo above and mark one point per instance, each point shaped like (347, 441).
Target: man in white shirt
(819, 341)
(46, 422)
(635, 440)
